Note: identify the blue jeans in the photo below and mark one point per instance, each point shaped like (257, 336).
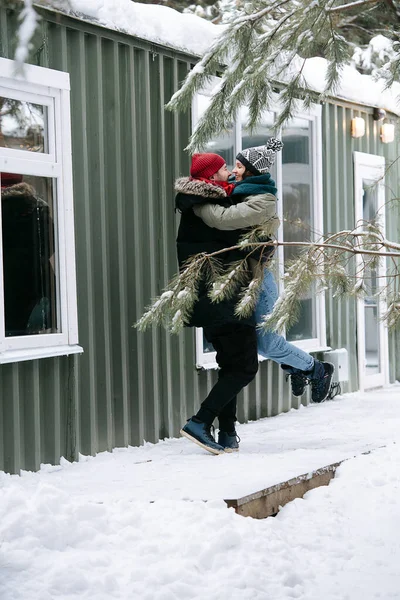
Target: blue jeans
(270, 344)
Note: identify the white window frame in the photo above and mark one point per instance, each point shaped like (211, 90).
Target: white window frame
(371, 166)
(57, 165)
(314, 116)
(207, 360)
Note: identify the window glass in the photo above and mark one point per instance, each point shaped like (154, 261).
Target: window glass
(298, 226)
(259, 135)
(371, 301)
(23, 125)
(29, 257)
(207, 346)
(224, 145)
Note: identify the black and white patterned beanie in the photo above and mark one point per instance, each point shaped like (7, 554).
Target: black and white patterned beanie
(259, 159)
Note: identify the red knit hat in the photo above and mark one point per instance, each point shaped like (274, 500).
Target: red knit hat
(206, 165)
(10, 179)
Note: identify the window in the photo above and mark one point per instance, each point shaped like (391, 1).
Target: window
(300, 210)
(297, 172)
(372, 334)
(38, 314)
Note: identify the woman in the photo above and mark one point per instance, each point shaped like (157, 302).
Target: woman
(252, 174)
(253, 178)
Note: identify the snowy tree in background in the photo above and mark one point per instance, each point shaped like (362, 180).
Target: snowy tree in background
(214, 10)
(268, 44)
(217, 11)
(180, 5)
(371, 59)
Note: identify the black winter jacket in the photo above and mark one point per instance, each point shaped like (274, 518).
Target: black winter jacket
(194, 236)
(29, 279)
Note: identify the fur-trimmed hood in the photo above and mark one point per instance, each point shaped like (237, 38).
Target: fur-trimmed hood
(18, 189)
(192, 192)
(22, 194)
(196, 187)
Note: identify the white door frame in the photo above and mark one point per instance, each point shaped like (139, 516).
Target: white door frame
(371, 166)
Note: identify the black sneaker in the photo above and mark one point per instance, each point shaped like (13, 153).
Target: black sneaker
(229, 441)
(200, 434)
(321, 382)
(298, 383)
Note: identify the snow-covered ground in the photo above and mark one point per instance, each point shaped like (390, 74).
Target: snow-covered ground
(132, 524)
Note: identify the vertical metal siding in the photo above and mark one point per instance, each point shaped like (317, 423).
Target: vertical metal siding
(127, 151)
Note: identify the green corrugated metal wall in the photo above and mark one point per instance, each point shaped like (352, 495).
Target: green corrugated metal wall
(129, 387)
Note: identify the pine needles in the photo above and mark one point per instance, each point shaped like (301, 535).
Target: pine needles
(266, 45)
(175, 305)
(348, 263)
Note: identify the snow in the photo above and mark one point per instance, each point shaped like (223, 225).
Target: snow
(380, 43)
(378, 52)
(133, 524)
(363, 89)
(159, 24)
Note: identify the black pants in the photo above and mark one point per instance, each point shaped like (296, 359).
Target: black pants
(236, 347)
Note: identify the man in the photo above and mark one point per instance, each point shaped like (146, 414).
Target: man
(233, 338)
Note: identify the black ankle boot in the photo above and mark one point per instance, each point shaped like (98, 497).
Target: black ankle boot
(321, 380)
(229, 441)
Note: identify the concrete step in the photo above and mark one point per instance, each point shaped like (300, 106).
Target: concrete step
(267, 502)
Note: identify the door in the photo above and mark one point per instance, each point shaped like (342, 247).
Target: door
(372, 335)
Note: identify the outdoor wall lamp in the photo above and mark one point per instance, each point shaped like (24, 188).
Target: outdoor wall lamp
(387, 133)
(357, 127)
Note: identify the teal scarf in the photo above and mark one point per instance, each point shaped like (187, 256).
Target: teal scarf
(257, 184)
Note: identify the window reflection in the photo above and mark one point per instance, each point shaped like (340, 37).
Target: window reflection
(23, 125)
(224, 145)
(259, 135)
(207, 346)
(29, 265)
(297, 211)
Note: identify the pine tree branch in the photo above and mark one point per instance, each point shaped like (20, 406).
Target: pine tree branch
(393, 7)
(352, 5)
(349, 19)
(327, 262)
(262, 13)
(276, 244)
